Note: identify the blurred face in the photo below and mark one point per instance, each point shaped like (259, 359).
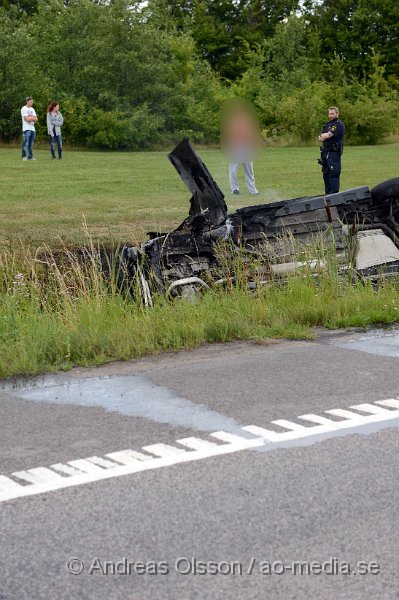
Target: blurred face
(239, 127)
(56, 108)
(332, 114)
(29, 103)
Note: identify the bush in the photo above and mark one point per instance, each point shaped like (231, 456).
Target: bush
(369, 119)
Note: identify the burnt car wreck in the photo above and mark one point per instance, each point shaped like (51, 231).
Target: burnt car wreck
(179, 262)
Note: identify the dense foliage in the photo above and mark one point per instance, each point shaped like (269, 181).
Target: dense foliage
(132, 75)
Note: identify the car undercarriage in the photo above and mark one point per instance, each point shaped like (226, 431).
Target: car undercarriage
(362, 226)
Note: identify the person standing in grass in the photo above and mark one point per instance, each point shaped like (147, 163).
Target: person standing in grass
(241, 140)
(54, 122)
(332, 136)
(29, 119)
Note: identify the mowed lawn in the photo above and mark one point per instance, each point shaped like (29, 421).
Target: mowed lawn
(121, 195)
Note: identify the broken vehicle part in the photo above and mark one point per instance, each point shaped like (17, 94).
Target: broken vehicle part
(374, 250)
(207, 203)
(187, 256)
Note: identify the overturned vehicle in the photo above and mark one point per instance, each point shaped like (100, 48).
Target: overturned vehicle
(359, 223)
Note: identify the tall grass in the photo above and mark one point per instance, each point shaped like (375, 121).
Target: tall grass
(56, 315)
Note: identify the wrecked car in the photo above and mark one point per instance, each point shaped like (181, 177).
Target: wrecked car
(183, 260)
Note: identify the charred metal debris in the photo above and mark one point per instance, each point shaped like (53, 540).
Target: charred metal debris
(360, 223)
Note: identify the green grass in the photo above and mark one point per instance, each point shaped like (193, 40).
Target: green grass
(42, 330)
(123, 195)
(73, 318)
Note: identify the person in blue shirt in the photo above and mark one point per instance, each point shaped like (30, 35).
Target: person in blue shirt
(332, 136)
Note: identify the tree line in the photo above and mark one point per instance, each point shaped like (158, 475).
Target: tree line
(132, 75)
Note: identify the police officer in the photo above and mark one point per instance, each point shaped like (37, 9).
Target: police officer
(332, 137)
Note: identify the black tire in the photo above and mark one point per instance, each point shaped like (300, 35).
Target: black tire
(385, 190)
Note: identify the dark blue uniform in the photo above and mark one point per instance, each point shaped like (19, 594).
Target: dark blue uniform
(331, 152)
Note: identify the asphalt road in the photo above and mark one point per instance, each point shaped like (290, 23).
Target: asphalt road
(294, 517)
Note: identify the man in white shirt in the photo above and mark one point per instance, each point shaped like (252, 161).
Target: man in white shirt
(29, 119)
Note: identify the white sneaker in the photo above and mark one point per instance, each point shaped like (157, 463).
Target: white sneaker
(24, 158)
(33, 158)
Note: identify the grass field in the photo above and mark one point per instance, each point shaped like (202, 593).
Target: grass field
(123, 195)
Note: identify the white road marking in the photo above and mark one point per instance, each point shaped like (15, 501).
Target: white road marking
(391, 402)
(66, 469)
(229, 438)
(345, 414)
(38, 476)
(370, 408)
(266, 434)
(163, 450)
(86, 466)
(289, 425)
(8, 487)
(41, 480)
(102, 462)
(196, 443)
(316, 419)
(128, 457)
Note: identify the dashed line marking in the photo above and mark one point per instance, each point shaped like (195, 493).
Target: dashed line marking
(38, 476)
(41, 480)
(393, 403)
(164, 450)
(315, 419)
(196, 443)
(128, 457)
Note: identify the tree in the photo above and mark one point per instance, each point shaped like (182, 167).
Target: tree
(354, 28)
(122, 81)
(28, 7)
(222, 29)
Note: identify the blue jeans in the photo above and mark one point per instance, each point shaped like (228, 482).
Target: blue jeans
(58, 139)
(28, 137)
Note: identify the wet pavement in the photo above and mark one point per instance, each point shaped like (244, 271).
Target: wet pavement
(133, 395)
(383, 342)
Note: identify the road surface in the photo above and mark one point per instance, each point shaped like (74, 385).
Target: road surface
(232, 471)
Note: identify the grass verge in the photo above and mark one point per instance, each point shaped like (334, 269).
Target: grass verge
(75, 318)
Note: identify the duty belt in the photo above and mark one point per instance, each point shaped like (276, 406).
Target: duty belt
(333, 148)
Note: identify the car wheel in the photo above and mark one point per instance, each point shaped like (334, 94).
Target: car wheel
(385, 190)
